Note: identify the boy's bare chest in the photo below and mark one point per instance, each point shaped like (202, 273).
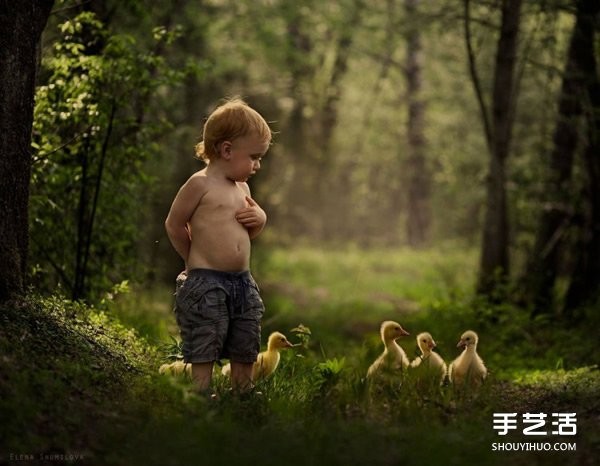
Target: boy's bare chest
(223, 200)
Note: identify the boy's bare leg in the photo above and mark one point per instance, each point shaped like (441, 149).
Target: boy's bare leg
(241, 376)
(202, 375)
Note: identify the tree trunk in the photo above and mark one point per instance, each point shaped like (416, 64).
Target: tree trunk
(21, 24)
(302, 154)
(543, 265)
(494, 267)
(418, 176)
(333, 208)
(585, 281)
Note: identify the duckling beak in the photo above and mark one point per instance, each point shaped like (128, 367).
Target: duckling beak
(403, 332)
(461, 344)
(432, 345)
(287, 344)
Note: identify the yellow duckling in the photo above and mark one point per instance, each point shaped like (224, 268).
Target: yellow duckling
(268, 360)
(176, 368)
(393, 357)
(468, 368)
(429, 361)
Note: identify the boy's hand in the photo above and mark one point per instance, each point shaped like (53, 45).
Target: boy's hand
(252, 216)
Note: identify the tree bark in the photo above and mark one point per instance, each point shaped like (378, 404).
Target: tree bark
(418, 219)
(543, 265)
(301, 154)
(494, 266)
(333, 216)
(21, 24)
(585, 281)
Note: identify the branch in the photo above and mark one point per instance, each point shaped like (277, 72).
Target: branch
(59, 270)
(113, 110)
(475, 76)
(59, 148)
(386, 60)
(521, 69)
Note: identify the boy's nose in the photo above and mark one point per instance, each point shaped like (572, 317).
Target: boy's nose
(257, 164)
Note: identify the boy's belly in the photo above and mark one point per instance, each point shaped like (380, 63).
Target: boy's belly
(222, 245)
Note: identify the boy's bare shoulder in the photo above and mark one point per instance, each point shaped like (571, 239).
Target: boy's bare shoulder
(198, 180)
(199, 176)
(193, 189)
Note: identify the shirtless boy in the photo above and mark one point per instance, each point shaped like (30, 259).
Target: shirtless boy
(210, 224)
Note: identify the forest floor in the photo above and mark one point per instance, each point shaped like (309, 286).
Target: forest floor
(78, 384)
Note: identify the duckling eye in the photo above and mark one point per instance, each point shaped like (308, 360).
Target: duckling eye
(424, 341)
(397, 328)
(282, 339)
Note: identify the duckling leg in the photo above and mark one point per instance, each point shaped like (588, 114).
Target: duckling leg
(241, 376)
(202, 375)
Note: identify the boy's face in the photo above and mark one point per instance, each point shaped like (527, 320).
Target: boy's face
(244, 155)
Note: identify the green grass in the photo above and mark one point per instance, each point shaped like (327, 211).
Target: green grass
(74, 379)
(401, 277)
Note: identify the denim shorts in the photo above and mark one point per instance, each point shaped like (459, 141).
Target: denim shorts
(219, 315)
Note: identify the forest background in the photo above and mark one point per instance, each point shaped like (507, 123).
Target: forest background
(396, 125)
(431, 158)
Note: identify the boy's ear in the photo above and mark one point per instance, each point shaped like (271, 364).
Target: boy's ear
(225, 150)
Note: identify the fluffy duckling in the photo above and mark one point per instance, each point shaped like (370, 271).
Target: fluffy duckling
(267, 361)
(468, 368)
(429, 360)
(393, 356)
(176, 368)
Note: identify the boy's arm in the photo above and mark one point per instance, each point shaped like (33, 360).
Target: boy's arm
(251, 216)
(183, 207)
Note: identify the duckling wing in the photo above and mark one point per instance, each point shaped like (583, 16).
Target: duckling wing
(454, 375)
(258, 369)
(481, 369)
(400, 360)
(438, 362)
(269, 362)
(376, 366)
(405, 362)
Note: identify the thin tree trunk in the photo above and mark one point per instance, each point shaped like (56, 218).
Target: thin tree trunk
(80, 291)
(494, 266)
(543, 265)
(419, 178)
(333, 216)
(21, 24)
(585, 281)
(78, 279)
(302, 154)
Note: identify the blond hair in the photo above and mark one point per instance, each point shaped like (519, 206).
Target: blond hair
(230, 120)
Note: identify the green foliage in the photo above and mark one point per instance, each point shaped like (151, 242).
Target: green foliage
(62, 361)
(303, 333)
(583, 379)
(102, 380)
(172, 350)
(150, 312)
(92, 140)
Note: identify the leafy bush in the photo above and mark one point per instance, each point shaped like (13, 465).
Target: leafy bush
(92, 139)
